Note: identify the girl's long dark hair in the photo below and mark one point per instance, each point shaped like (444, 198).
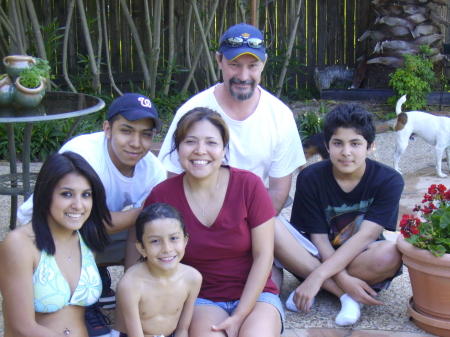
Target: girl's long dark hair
(55, 168)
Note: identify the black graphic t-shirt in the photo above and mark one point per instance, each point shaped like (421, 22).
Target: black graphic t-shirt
(322, 207)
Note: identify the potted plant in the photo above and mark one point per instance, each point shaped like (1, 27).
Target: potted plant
(30, 85)
(6, 90)
(425, 245)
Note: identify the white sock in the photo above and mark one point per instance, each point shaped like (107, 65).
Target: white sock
(350, 311)
(290, 305)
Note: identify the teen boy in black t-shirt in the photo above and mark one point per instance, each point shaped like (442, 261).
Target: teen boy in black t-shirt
(342, 205)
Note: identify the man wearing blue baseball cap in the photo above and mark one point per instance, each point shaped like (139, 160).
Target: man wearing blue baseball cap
(263, 134)
(120, 156)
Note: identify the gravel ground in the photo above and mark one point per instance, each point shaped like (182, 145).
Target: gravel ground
(391, 316)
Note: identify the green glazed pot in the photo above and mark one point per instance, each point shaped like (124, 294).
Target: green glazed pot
(6, 91)
(14, 64)
(26, 97)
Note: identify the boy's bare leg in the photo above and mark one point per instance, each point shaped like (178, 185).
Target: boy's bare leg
(379, 262)
(295, 258)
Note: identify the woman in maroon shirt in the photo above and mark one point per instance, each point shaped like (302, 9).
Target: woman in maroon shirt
(229, 218)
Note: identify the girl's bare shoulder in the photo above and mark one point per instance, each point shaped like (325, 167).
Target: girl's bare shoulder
(22, 237)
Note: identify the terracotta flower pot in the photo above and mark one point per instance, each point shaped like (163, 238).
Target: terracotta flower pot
(14, 64)
(429, 324)
(27, 97)
(6, 91)
(430, 282)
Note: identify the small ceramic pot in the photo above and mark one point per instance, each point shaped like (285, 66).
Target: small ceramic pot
(27, 97)
(6, 91)
(14, 64)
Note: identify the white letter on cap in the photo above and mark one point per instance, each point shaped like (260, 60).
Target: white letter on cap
(145, 102)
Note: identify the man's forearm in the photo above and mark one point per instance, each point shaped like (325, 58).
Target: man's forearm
(279, 190)
(123, 220)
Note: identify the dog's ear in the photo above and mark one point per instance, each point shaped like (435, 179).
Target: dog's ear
(402, 119)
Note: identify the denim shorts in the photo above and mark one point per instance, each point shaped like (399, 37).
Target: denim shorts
(231, 306)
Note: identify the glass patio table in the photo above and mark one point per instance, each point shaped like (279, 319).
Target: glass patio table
(54, 105)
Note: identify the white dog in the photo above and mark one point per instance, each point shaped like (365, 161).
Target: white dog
(435, 130)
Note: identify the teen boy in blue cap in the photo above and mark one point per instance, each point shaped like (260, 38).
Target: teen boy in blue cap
(120, 156)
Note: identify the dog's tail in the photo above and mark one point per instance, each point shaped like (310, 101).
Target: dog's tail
(401, 100)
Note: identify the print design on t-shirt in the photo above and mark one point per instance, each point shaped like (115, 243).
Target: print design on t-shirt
(344, 221)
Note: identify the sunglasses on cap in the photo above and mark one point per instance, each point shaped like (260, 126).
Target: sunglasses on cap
(235, 42)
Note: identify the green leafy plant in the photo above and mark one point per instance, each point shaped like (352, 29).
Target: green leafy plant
(433, 233)
(272, 69)
(31, 77)
(311, 122)
(414, 79)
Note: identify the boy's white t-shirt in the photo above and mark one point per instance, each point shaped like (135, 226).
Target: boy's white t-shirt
(267, 143)
(120, 191)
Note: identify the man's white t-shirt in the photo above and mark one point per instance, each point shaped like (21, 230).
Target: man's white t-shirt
(120, 191)
(266, 143)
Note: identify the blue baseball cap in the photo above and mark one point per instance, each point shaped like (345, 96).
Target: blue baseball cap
(134, 107)
(246, 32)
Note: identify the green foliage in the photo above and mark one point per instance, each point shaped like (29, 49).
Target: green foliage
(273, 67)
(414, 79)
(53, 40)
(83, 80)
(53, 35)
(48, 137)
(311, 122)
(31, 77)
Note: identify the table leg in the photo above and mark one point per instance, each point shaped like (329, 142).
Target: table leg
(12, 169)
(72, 129)
(26, 160)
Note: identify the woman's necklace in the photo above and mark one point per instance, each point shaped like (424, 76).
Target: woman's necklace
(209, 203)
(69, 256)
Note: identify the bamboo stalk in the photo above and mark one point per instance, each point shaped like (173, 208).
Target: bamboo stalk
(292, 35)
(8, 26)
(16, 23)
(187, 45)
(156, 47)
(148, 27)
(170, 59)
(37, 35)
(200, 48)
(137, 42)
(241, 11)
(70, 9)
(205, 43)
(22, 16)
(87, 37)
(108, 58)
(100, 35)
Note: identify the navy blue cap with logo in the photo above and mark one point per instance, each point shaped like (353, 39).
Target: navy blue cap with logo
(242, 39)
(133, 107)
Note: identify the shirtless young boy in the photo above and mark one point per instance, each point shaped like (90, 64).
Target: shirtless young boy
(156, 297)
